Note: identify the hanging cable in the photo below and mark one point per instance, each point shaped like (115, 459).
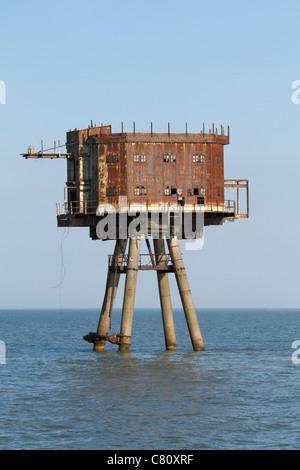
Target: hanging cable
(62, 267)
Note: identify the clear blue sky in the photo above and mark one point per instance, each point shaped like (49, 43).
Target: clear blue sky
(67, 62)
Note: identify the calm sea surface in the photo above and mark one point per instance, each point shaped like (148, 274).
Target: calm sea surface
(243, 392)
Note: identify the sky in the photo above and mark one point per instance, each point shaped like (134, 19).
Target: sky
(66, 63)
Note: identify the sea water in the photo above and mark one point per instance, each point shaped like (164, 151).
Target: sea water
(242, 392)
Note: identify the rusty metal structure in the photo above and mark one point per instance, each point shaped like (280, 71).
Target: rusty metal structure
(126, 175)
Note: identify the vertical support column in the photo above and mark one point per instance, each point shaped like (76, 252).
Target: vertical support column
(129, 293)
(110, 294)
(164, 294)
(185, 294)
(238, 197)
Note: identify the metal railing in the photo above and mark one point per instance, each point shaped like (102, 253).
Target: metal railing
(228, 206)
(90, 207)
(160, 261)
(77, 207)
(238, 185)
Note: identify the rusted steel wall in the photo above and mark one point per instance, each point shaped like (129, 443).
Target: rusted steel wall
(93, 172)
(215, 170)
(82, 167)
(162, 172)
(72, 166)
(112, 172)
(146, 168)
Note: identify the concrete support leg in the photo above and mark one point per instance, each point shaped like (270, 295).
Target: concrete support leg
(129, 293)
(185, 294)
(164, 294)
(110, 294)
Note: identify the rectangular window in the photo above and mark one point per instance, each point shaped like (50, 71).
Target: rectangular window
(112, 191)
(203, 191)
(112, 158)
(136, 158)
(144, 191)
(195, 158)
(193, 192)
(202, 158)
(137, 191)
(166, 158)
(217, 159)
(173, 158)
(167, 191)
(143, 158)
(173, 191)
(179, 192)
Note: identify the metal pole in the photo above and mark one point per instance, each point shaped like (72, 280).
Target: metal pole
(164, 294)
(185, 294)
(110, 294)
(129, 294)
(247, 186)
